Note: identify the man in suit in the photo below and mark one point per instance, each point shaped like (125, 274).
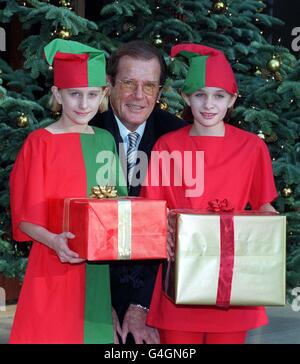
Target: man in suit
(136, 74)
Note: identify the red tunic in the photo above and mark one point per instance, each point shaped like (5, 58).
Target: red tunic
(51, 305)
(237, 166)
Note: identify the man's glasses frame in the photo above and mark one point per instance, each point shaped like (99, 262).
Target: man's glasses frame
(150, 88)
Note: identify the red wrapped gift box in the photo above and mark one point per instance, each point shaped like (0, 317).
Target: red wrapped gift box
(128, 228)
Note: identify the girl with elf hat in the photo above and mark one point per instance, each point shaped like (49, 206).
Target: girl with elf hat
(237, 167)
(63, 298)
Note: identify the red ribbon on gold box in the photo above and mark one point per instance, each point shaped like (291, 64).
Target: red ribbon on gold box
(227, 258)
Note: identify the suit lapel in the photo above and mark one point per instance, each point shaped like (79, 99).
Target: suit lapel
(148, 138)
(110, 124)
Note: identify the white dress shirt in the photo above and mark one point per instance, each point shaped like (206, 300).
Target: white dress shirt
(124, 133)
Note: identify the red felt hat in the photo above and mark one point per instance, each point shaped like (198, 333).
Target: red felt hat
(208, 68)
(76, 64)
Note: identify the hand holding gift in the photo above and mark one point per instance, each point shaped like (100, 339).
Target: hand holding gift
(64, 253)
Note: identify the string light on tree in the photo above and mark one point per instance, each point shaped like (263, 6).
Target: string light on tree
(56, 114)
(158, 41)
(287, 192)
(63, 33)
(22, 121)
(257, 72)
(66, 4)
(22, 3)
(219, 7)
(163, 105)
(157, 4)
(261, 135)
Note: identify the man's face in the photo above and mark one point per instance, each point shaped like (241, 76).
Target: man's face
(135, 90)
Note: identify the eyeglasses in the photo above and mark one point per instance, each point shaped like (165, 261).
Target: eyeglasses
(149, 88)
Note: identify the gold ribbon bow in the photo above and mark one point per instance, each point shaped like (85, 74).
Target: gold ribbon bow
(104, 192)
(124, 219)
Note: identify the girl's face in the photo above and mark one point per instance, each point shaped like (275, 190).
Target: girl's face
(209, 105)
(79, 105)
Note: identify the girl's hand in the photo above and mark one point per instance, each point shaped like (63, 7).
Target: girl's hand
(57, 242)
(60, 245)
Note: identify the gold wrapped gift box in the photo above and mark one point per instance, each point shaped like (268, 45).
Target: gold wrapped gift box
(258, 261)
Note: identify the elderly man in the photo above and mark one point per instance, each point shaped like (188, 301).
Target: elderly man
(136, 73)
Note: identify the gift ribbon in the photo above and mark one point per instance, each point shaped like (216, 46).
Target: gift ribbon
(124, 229)
(226, 260)
(217, 205)
(227, 250)
(124, 225)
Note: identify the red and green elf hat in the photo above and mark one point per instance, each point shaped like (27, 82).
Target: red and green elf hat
(75, 64)
(208, 68)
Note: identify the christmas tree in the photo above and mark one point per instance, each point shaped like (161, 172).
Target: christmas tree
(267, 74)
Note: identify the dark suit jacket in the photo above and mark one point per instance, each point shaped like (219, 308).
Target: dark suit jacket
(132, 281)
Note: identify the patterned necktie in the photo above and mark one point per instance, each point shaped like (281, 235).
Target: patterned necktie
(131, 154)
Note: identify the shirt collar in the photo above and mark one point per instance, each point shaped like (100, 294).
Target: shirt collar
(124, 131)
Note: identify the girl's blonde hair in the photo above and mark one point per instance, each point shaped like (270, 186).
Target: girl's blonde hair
(56, 107)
